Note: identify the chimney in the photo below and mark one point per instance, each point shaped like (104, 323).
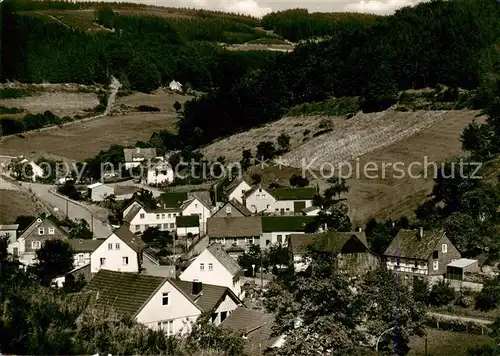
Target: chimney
(197, 288)
(421, 232)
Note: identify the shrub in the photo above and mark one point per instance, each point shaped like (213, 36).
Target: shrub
(441, 294)
(147, 108)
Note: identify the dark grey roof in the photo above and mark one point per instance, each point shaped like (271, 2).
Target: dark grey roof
(239, 226)
(231, 186)
(144, 153)
(240, 207)
(334, 241)
(131, 239)
(132, 213)
(227, 261)
(210, 297)
(204, 197)
(126, 293)
(53, 220)
(408, 244)
(84, 245)
(299, 243)
(256, 325)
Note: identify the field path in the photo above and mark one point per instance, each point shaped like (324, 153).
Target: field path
(53, 18)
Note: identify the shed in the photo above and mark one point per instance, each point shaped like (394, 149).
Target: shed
(99, 191)
(459, 268)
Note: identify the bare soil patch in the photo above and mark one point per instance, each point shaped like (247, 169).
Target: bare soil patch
(14, 203)
(60, 104)
(80, 141)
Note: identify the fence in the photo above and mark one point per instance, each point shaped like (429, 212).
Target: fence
(458, 324)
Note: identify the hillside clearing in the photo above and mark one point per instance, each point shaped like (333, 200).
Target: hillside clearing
(163, 100)
(84, 140)
(60, 104)
(386, 138)
(14, 203)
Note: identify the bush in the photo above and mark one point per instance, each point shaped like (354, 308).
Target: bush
(441, 294)
(147, 108)
(489, 298)
(4, 110)
(420, 291)
(298, 181)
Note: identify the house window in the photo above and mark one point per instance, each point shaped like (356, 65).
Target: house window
(210, 267)
(80, 257)
(164, 298)
(103, 261)
(163, 216)
(195, 205)
(202, 267)
(170, 327)
(157, 216)
(137, 227)
(435, 265)
(125, 261)
(142, 216)
(110, 246)
(435, 255)
(51, 231)
(146, 226)
(174, 215)
(41, 231)
(416, 264)
(117, 246)
(276, 209)
(444, 248)
(235, 240)
(280, 239)
(165, 226)
(228, 210)
(169, 216)
(172, 225)
(35, 245)
(287, 209)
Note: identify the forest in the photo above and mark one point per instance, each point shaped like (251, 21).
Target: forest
(143, 52)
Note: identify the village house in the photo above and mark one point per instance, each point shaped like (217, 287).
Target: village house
(135, 156)
(122, 251)
(215, 266)
(159, 303)
(158, 171)
(10, 232)
(240, 231)
(280, 201)
(351, 249)
(98, 192)
(256, 328)
(278, 229)
(187, 225)
(36, 170)
(175, 85)
(198, 203)
(232, 208)
(83, 249)
(33, 237)
(237, 189)
(419, 253)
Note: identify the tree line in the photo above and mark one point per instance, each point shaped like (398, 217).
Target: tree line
(143, 53)
(449, 43)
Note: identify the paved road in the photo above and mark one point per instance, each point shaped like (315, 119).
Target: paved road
(101, 229)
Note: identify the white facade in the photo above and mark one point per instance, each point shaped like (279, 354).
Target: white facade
(115, 255)
(260, 200)
(408, 266)
(239, 191)
(225, 308)
(99, 191)
(175, 85)
(207, 269)
(160, 173)
(14, 245)
(185, 231)
(164, 220)
(195, 207)
(81, 259)
(281, 237)
(174, 318)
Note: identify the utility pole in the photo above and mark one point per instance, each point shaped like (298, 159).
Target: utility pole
(67, 209)
(261, 271)
(92, 223)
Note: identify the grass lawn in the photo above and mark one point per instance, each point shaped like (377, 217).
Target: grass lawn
(446, 343)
